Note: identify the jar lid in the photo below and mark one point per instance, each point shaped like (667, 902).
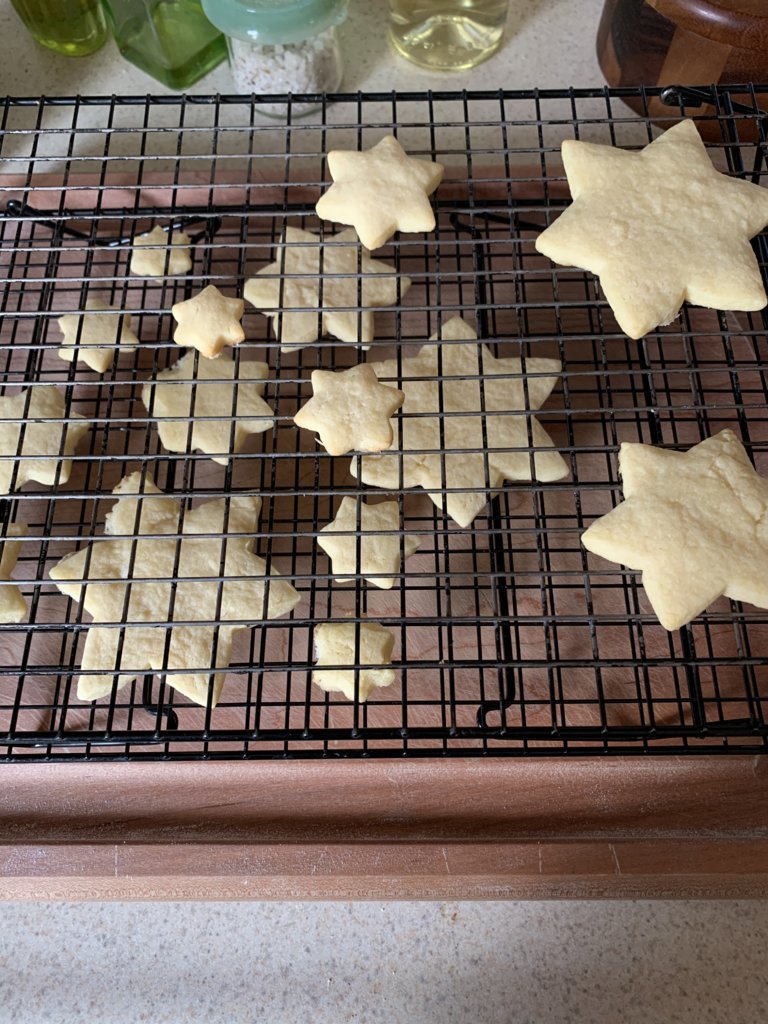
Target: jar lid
(739, 23)
(267, 22)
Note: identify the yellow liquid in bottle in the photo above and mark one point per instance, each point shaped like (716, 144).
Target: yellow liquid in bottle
(72, 27)
(447, 35)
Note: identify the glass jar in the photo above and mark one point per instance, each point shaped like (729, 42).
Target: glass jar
(281, 47)
(72, 27)
(172, 40)
(447, 35)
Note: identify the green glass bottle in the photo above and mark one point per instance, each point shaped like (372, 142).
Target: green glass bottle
(172, 40)
(72, 27)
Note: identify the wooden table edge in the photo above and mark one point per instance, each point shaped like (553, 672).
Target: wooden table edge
(678, 827)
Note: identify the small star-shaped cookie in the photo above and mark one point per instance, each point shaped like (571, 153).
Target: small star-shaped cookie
(344, 294)
(350, 410)
(335, 644)
(153, 257)
(695, 523)
(13, 607)
(379, 542)
(380, 191)
(209, 321)
(201, 394)
(659, 227)
(95, 339)
(46, 446)
(173, 574)
(444, 379)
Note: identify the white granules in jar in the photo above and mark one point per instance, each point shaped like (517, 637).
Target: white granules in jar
(313, 65)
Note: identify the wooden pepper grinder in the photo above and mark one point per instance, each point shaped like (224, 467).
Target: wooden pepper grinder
(684, 42)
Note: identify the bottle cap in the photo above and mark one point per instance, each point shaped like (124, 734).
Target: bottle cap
(266, 22)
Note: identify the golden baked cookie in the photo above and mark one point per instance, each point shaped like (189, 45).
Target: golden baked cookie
(378, 544)
(331, 287)
(380, 191)
(96, 338)
(350, 410)
(659, 227)
(469, 442)
(167, 564)
(49, 438)
(338, 643)
(152, 256)
(695, 523)
(13, 607)
(195, 407)
(209, 321)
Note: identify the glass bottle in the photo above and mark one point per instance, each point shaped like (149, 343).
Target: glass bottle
(281, 46)
(447, 35)
(172, 40)
(72, 27)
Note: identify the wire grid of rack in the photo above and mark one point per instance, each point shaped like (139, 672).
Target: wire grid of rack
(510, 638)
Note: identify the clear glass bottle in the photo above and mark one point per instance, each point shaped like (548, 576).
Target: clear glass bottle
(72, 27)
(447, 35)
(281, 46)
(172, 40)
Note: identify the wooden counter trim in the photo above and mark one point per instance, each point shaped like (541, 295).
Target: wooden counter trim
(680, 827)
(397, 871)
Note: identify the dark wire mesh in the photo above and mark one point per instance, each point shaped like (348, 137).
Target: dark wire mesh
(510, 638)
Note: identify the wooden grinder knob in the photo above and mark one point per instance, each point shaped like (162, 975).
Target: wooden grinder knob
(685, 42)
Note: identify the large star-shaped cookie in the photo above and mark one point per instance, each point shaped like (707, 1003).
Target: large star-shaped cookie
(46, 446)
(380, 191)
(659, 227)
(95, 339)
(209, 321)
(232, 593)
(339, 301)
(202, 395)
(444, 380)
(336, 644)
(379, 542)
(350, 410)
(695, 523)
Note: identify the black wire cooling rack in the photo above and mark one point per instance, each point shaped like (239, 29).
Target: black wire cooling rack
(510, 638)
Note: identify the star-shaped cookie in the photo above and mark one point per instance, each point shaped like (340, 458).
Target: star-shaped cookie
(294, 293)
(659, 227)
(335, 644)
(46, 446)
(448, 449)
(197, 568)
(350, 410)
(695, 523)
(199, 392)
(209, 321)
(13, 607)
(380, 191)
(153, 257)
(95, 339)
(379, 527)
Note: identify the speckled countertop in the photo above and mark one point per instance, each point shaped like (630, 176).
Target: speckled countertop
(501, 963)
(365, 963)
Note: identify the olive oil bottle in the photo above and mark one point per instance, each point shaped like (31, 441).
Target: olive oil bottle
(447, 35)
(72, 27)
